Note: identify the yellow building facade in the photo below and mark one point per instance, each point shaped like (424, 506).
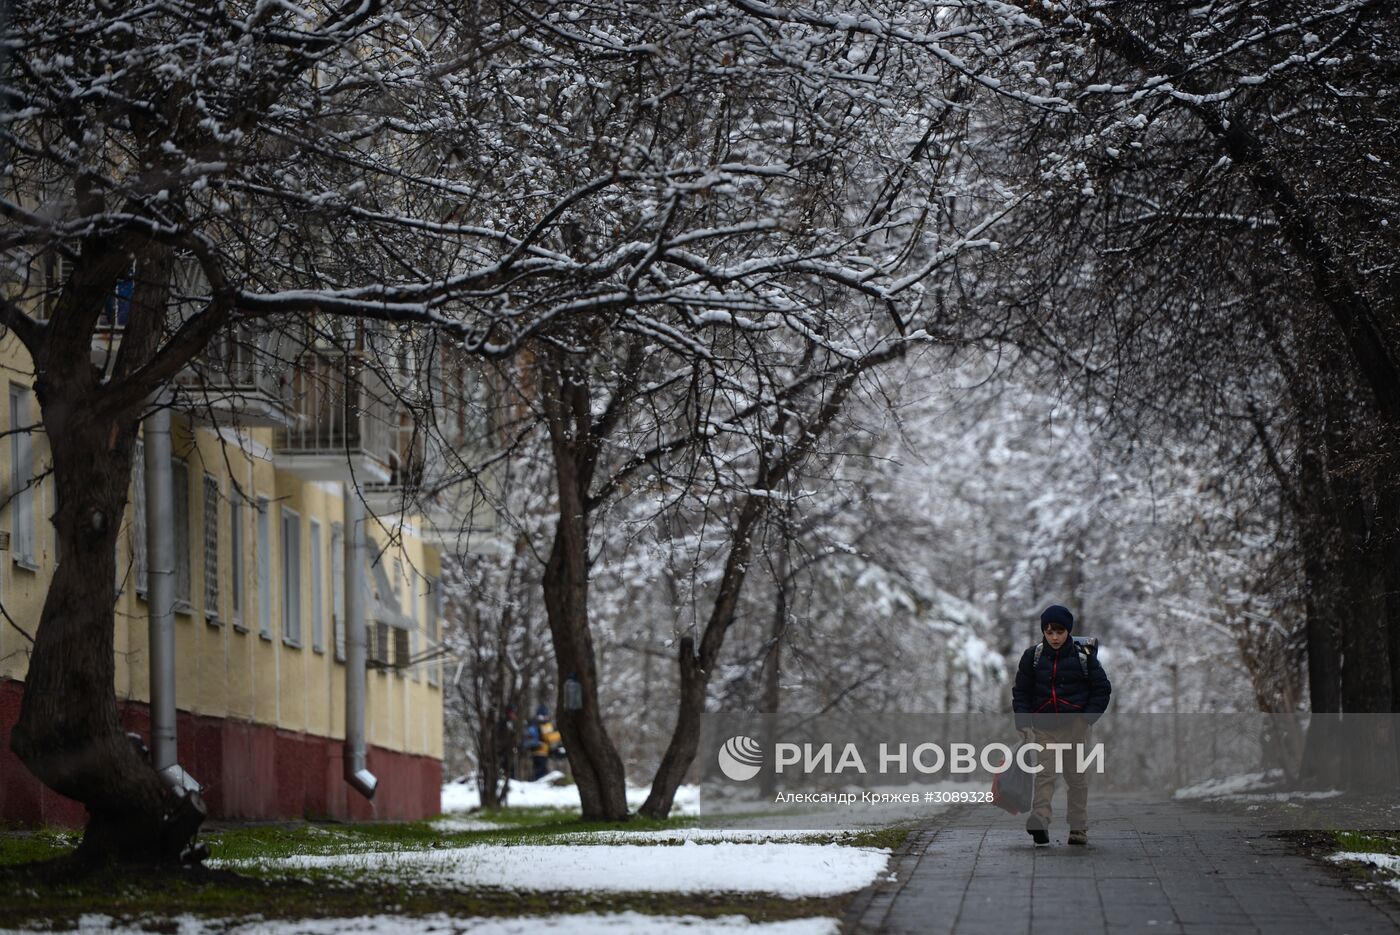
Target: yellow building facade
(260, 616)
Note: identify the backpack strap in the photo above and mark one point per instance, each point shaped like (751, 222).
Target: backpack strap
(1081, 650)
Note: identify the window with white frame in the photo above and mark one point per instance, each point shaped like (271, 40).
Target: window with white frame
(139, 569)
(400, 634)
(21, 481)
(291, 577)
(235, 545)
(211, 548)
(318, 630)
(180, 477)
(338, 590)
(264, 583)
(434, 597)
(413, 598)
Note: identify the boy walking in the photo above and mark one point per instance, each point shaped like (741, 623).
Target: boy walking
(1060, 690)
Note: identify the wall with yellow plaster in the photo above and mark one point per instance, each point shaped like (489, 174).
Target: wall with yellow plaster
(226, 667)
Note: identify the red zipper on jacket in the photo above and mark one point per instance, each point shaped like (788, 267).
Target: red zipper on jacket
(1054, 697)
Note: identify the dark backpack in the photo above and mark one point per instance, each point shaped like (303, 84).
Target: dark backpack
(1085, 647)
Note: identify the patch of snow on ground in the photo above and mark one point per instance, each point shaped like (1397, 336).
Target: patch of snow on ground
(1279, 796)
(1229, 785)
(791, 871)
(1387, 862)
(547, 793)
(697, 835)
(624, 923)
(458, 825)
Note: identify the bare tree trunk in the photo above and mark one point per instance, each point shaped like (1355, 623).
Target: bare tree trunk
(1365, 643)
(593, 757)
(695, 667)
(772, 659)
(596, 764)
(487, 760)
(1365, 646)
(495, 781)
(68, 733)
(1388, 519)
(1323, 623)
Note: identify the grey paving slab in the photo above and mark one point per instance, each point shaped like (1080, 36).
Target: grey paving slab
(964, 879)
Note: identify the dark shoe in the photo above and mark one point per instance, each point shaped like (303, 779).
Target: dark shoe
(1040, 836)
(1079, 838)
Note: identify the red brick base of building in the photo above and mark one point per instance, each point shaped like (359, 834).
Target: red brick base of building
(248, 771)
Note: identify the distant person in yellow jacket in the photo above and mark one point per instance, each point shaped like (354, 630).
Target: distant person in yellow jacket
(542, 740)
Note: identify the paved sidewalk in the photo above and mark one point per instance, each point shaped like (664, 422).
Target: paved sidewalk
(961, 878)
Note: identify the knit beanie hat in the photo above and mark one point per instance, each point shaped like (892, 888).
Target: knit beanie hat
(1056, 614)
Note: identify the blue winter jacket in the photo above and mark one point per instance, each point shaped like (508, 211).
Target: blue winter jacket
(1058, 686)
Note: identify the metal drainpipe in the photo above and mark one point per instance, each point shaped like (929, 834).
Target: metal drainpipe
(160, 603)
(357, 772)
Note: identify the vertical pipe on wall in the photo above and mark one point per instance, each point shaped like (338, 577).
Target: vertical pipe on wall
(185, 819)
(357, 772)
(160, 586)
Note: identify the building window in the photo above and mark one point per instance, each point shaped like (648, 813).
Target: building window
(379, 646)
(434, 596)
(413, 579)
(318, 630)
(138, 511)
(57, 269)
(401, 650)
(211, 549)
(291, 578)
(264, 570)
(180, 480)
(400, 635)
(116, 310)
(338, 590)
(235, 544)
(21, 481)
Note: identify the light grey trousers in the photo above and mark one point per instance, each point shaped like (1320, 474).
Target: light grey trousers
(1076, 783)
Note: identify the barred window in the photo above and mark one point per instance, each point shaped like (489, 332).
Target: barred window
(291, 577)
(401, 649)
(211, 548)
(434, 599)
(235, 540)
(318, 629)
(400, 635)
(264, 585)
(379, 646)
(180, 476)
(338, 590)
(139, 568)
(21, 480)
(413, 595)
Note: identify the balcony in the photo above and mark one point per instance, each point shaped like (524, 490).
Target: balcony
(428, 487)
(458, 518)
(407, 465)
(236, 381)
(341, 419)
